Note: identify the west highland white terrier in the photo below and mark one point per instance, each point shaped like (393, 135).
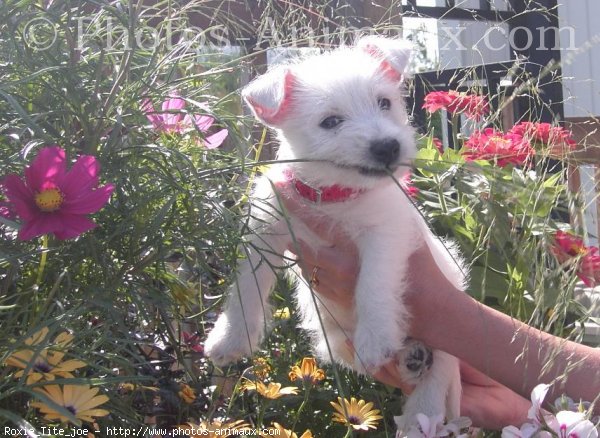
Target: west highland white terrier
(344, 131)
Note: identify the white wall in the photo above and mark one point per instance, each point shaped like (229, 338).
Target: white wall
(580, 53)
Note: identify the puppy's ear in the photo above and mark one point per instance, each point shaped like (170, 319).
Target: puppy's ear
(270, 95)
(394, 54)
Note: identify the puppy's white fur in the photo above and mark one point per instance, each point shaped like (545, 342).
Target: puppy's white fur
(294, 99)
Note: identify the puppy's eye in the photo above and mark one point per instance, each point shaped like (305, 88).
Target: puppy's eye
(384, 103)
(331, 122)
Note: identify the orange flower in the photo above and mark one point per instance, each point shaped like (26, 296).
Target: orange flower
(187, 394)
(356, 414)
(272, 390)
(80, 400)
(261, 368)
(307, 371)
(44, 363)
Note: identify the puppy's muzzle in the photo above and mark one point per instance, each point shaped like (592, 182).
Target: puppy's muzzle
(385, 151)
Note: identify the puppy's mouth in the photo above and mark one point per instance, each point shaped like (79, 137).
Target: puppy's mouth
(370, 171)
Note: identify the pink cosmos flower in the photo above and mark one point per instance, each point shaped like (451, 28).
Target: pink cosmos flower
(493, 145)
(568, 247)
(472, 105)
(173, 121)
(54, 200)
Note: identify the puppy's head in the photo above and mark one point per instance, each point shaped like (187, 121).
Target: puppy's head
(343, 109)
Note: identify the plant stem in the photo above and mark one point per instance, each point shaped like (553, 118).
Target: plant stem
(454, 125)
(348, 433)
(440, 191)
(42, 260)
(307, 387)
(261, 413)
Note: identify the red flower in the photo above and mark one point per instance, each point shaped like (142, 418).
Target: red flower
(438, 145)
(545, 134)
(173, 120)
(192, 341)
(493, 145)
(54, 200)
(407, 185)
(568, 247)
(472, 105)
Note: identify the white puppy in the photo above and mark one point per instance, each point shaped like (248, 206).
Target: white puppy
(341, 115)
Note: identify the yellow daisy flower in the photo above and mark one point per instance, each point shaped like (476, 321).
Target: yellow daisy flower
(213, 429)
(44, 363)
(279, 431)
(357, 414)
(187, 394)
(272, 390)
(307, 371)
(80, 400)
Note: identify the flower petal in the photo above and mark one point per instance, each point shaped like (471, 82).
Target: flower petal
(89, 202)
(44, 223)
(173, 103)
(82, 177)
(47, 169)
(203, 122)
(20, 197)
(537, 398)
(215, 140)
(73, 225)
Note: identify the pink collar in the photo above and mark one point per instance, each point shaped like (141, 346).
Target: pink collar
(334, 193)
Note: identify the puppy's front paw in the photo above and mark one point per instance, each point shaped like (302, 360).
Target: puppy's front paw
(371, 354)
(228, 342)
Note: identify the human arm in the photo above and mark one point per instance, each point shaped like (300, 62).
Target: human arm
(505, 349)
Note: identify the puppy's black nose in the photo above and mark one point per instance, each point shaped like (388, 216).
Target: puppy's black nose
(385, 151)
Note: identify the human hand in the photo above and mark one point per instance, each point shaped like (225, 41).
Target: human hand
(334, 266)
(489, 404)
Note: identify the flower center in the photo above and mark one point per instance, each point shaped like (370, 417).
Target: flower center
(49, 200)
(497, 139)
(42, 367)
(71, 409)
(352, 419)
(575, 249)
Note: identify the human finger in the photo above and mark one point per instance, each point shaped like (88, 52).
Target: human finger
(390, 375)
